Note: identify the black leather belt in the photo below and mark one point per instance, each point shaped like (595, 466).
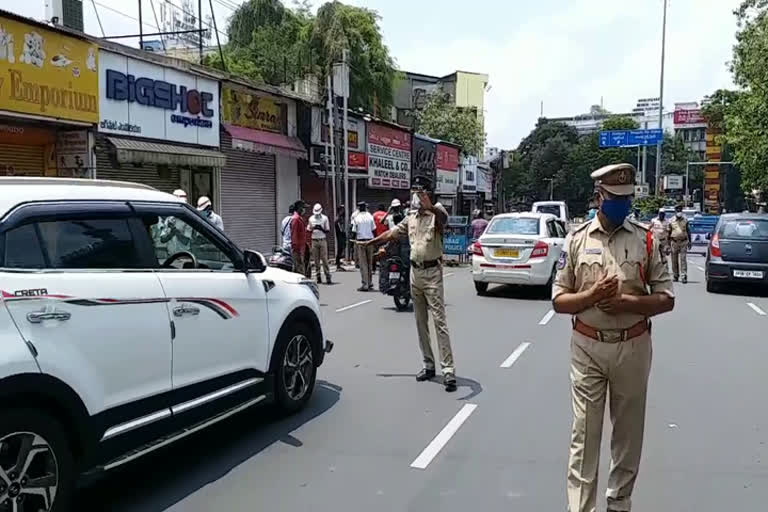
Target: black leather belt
(426, 264)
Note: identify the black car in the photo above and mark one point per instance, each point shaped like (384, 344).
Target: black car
(738, 251)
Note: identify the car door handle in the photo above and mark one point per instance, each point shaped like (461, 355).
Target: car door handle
(37, 317)
(186, 309)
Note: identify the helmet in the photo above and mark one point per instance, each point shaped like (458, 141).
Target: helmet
(203, 203)
(180, 194)
(395, 203)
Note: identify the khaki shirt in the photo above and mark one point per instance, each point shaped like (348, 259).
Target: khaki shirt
(679, 227)
(590, 253)
(661, 229)
(425, 239)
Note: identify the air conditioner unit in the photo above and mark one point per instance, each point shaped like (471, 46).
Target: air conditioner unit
(68, 13)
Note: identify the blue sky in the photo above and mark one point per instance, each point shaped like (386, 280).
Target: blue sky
(566, 53)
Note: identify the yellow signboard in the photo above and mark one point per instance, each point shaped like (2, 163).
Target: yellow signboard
(250, 111)
(46, 73)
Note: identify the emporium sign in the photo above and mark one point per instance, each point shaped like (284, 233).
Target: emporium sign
(148, 100)
(389, 157)
(47, 73)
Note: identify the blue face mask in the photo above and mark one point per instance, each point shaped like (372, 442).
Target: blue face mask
(616, 210)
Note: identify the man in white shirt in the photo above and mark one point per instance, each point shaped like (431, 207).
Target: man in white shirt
(205, 207)
(319, 227)
(363, 226)
(285, 229)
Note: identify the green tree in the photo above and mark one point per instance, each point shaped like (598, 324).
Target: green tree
(340, 27)
(744, 114)
(440, 119)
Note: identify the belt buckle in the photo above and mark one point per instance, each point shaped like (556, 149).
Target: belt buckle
(611, 336)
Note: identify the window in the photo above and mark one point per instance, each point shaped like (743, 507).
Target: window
(751, 229)
(513, 226)
(171, 235)
(560, 226)
(22, 248)
(549, 208)
(89, 243)
(551, 229)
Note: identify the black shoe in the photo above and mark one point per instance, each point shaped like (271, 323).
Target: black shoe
(425, 374)
(328, 280)
(685, 280)
(675, 279)
(370, 287)
(449, 381)
(363, 289)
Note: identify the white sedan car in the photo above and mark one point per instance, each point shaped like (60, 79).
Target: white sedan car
(518, 248)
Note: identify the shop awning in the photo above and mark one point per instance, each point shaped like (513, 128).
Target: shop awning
(131, 151)
(258, 141)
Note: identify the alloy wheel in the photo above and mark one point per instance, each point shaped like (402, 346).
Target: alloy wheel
(29, 474)
(298, 365)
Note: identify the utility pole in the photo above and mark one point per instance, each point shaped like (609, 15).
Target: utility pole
(345, 95)
(661, 99)
(141, 29)
(331, 136)
(200, 28)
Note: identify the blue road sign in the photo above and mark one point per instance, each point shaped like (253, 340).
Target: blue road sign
(630, 138)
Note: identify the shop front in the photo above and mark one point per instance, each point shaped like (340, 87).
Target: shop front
(389, 165)
(48, 106)
(447, 173)
(159, 125)
(468, 186)
(260, 178)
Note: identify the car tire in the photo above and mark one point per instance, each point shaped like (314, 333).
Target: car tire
(713, 287)
(295, 375)
(481, 288)
(50, 458)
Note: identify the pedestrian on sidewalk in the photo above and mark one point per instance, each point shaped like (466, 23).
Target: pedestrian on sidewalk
(378, 219)
(424, 226)
(680, 233)
(612, 280)
(318, 227)
(364, 227)
(299, 237)
(285, 228)
(340, 228)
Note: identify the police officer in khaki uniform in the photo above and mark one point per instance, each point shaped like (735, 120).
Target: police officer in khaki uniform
(612, 280)
(661, 228)
(680, 234)
(424, 227)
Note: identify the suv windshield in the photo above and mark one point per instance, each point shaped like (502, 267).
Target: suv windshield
(752, 229)
(514, 226)
(549, 208)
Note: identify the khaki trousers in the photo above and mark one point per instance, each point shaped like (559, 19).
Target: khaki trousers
(428, 296)
(298, 262)
(620, 371)
(365, 260)
(680, 258)
(320, 256)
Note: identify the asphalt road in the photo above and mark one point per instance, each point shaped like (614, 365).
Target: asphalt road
(505, 433)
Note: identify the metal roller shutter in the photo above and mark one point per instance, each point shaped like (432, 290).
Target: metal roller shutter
(248, 197)
(25, 160)
(375, 196)
(166, 180)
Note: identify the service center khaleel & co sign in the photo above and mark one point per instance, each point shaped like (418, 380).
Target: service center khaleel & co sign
(45, 73)
(389, 157)
(144, 99)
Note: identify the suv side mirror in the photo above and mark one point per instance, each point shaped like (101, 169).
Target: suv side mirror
(254, 261)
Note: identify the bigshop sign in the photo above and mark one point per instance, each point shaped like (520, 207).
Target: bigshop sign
(389, 157)
(142, 99)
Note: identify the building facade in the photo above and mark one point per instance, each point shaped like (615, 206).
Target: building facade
(49, 103)
(691, 127)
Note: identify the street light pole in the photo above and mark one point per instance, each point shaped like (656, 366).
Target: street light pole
(661, 98)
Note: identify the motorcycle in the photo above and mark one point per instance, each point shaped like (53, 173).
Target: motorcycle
(281, 258)
(394, 280)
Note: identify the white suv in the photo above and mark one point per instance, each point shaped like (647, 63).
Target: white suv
(127, 322)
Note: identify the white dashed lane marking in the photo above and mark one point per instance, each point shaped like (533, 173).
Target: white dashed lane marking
(345, 308)
(545, 320)
(757, 309)
(445, 435)
(514, 356)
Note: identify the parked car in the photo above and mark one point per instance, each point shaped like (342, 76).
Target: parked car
(518, 248)
(128, 322)
(738, 251)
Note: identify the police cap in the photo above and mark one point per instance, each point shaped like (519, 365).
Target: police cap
(617, 179)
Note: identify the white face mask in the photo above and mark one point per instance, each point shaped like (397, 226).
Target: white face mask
(415, 201)
(679, 215)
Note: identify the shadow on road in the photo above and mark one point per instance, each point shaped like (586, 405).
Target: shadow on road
(474, 387)
(519, 292)
(158, 481)
(743, 290)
